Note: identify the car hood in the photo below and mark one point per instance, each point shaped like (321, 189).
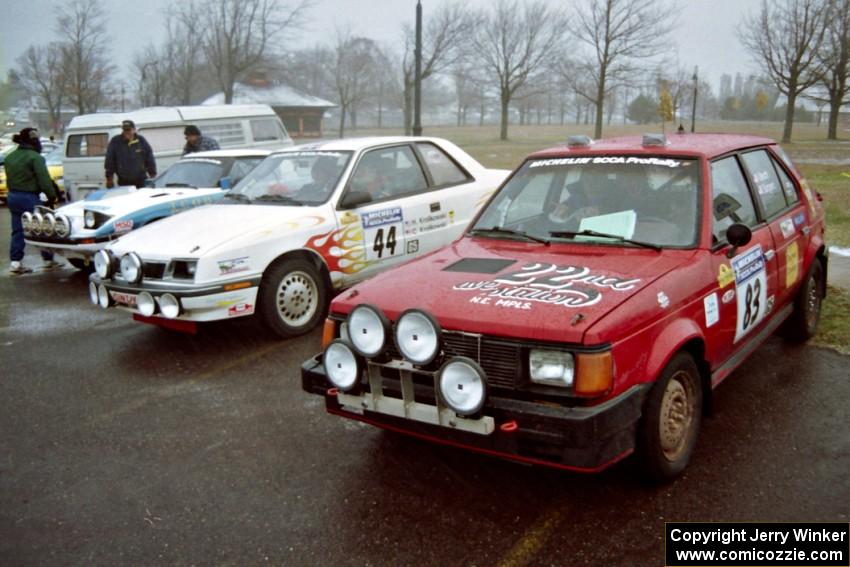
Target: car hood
(516, 289)
(142, 198)
(202, 231)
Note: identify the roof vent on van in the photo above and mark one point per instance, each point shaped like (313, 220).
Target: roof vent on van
(581, 141)
(654, 140)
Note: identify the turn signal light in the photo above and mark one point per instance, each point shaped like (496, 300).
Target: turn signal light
(328, 332)
(594, 374)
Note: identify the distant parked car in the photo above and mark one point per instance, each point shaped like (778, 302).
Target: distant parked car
(308, 221)
(52, 153)
(78, 230)
(590, 309)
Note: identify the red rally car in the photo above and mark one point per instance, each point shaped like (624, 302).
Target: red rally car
(592, 306)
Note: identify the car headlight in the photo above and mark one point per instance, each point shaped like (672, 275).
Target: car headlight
(93, 293)
(367, 327)
(48, 224)
(37, 219)
(551, 367)
(342, 365)
(62, 226)
(169, 305)
(90, 219)
(131, 267)
(463, 386)
(103, 298)
(146, 304)
(104, 264)
(26, 222)
(417, 336)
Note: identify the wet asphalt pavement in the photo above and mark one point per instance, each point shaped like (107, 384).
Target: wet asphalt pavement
(121, 443)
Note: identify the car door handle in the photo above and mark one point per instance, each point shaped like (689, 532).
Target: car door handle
(769, 255)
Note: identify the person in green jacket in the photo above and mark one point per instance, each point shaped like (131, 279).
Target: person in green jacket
(27, 177)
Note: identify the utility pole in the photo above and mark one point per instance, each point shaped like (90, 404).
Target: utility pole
(122, 97)
(417, 81)
(694, 109)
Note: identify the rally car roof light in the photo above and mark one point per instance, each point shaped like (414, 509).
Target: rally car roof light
(654, 140)
(580, 141)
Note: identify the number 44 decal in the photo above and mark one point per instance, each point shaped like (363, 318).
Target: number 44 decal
(379, 245)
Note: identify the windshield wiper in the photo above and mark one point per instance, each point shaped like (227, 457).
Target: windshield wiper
(586, 232)
(279, 199)
(180, 185)
(509, 231)
(237, 197)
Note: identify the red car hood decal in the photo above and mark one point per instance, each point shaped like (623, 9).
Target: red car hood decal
(515, 289)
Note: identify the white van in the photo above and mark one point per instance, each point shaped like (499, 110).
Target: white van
(232, 125)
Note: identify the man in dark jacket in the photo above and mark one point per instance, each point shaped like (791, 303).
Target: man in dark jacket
(27, 177)
(129, 156)
(196, 142)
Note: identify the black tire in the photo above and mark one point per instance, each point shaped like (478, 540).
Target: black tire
(669, 426)
(293, 297)
(84, 265)
(803, 322)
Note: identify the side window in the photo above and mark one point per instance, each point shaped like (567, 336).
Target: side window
(442, 168)
(227, 134)
(731, 199)
(87, 145)
(266, 130)
(389, 172)
(165, 138)
(788, 186)
(763, 174)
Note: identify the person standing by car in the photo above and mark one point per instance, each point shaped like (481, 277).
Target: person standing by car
(27, 177)
(129, 156)
(196, 142)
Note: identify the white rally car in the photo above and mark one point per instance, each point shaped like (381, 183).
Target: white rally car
(78, 230)
(307, 221)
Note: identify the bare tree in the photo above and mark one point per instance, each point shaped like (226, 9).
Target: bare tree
(183, 61)
(513, 43)
(444, 38)
(42, 75)
(785, 38)
(150, 66)
(835, 59)
(237, 36)
(81, 26)
(354, 73)
(620, 34)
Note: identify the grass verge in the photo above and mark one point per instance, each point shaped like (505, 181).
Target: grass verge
(834, 327)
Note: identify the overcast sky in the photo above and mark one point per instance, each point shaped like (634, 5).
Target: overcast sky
(706, 34)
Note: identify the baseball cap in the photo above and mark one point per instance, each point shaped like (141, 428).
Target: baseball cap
(128, 125)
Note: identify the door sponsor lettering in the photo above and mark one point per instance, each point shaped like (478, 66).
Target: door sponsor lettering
(792, 264)
(712, 310)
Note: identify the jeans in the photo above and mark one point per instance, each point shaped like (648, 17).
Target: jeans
(20, 202)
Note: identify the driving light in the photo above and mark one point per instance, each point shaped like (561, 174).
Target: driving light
(26, 222)
(169, 305)
(462, 385)
(342, 365)
(417, 336)
(103, 298)
(48, 224)
(104, 264)
(90, 219)
(146, 304)
(551, 367)
(62, 226)
(37, 219)
(131, 267)
(93, 293)
(367, 327)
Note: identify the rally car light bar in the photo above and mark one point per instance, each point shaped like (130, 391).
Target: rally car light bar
(104, 264)
(170, 306)
(408, 407)
(93, 295)
(103, 298)
(654, 140)
(62, 226)
(27, 222)
(418, 337)
(37, 219)
(146, 304)
(368, 328)
(48, 224)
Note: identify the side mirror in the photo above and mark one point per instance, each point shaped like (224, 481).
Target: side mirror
(354, 198)
(737, 235)
(225, 182)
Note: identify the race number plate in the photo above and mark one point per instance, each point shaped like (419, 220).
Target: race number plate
(750, 289)
(383, 232)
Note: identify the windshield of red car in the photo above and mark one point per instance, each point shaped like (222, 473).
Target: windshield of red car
(646, 199)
